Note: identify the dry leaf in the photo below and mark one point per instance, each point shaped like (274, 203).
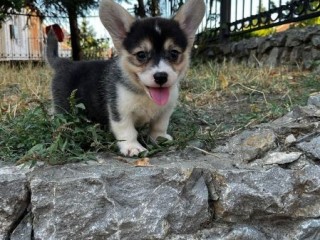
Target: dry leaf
(142, 162)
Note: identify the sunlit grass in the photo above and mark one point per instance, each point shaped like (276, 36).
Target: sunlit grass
(216, 101)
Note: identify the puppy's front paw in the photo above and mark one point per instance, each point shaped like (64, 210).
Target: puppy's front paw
(130, 149)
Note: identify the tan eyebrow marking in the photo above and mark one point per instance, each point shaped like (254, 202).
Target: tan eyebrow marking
(144, 45)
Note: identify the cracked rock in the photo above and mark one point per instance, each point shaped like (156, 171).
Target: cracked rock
(132, 203)
(24, 230)
(314, 100)
(281, 157)
(250, 144)
(14, 198)
(311, 147)
(278, 229)
(290, 139)
(267, 194)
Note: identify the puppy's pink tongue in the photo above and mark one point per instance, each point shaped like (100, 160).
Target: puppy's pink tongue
(159, 95)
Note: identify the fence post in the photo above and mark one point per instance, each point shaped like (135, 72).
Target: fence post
(225, 12)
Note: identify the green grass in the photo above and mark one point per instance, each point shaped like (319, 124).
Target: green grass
(34, 135)
(216, 101)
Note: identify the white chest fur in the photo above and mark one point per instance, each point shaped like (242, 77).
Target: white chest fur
(140, 108)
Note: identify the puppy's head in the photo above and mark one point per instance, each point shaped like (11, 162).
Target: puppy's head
(154, 52)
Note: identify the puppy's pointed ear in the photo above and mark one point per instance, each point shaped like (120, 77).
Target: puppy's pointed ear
(190, 16)
(116, 20)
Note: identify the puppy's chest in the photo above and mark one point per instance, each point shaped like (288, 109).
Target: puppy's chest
(145, 112)
(139, 107)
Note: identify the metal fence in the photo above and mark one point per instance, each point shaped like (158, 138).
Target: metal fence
(21, 48)
(33, 49)
(225, 18)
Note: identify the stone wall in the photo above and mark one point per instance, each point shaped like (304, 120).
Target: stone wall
(295, 46)
(263, 183)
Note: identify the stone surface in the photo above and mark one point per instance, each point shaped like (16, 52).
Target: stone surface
(316, 41)
(265, 46)
(295, 38)
(295, 55)
(279, 230)
(24, 230)
(268, 194)
(257, 185)
(172, 200)
(249, 144)
(315, 55)
(278, 40)
(294, 46)
(252, 43)
(311, 147)
(290, 139)
(281, 157)
(314, 100)
(274, 56)
(127, 203)
(14, 198)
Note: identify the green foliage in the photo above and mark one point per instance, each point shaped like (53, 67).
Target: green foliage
(309, 22)
(186, 126)
(312, 21)
(71, 10)
(35, 135)
(310, 85)
(92, 47)
(63, 7)
(9, 6)
(263, 32)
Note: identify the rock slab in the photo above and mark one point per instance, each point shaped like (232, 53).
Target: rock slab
(14, 199)
(295, 45)
(133, 203)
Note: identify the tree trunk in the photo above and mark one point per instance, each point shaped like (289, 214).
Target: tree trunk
(75, 34)
(155, 10)
(141, 12)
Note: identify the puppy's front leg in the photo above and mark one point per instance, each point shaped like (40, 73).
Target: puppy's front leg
(159, 126)
(126, 134)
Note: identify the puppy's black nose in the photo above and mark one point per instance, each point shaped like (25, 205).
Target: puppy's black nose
(160, 77)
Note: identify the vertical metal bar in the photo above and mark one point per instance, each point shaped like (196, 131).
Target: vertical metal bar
(243, 5)
(216, 11)
(259, 7)
(236, 10)
(225, 10)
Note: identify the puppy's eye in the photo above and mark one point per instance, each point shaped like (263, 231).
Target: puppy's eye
(173, 55)
(142, 56)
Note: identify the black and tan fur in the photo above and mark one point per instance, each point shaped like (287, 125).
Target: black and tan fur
(139, 86)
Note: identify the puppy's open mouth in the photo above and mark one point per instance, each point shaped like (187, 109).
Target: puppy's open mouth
(160, 95)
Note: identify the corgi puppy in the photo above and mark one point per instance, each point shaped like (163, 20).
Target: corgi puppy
(139, 86)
